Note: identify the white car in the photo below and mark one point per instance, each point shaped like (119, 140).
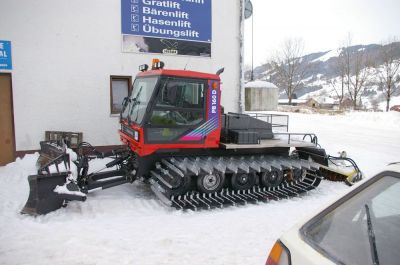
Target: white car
(361, 228)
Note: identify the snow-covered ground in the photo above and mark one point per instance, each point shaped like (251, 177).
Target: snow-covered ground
(127, 225)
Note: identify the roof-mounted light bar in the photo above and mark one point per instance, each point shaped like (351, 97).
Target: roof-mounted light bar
(156, 64)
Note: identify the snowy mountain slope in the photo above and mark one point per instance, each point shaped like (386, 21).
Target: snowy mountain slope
(321, 74)
(127, 224)
(328, 55)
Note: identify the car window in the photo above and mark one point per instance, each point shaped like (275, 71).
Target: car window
(365, 229)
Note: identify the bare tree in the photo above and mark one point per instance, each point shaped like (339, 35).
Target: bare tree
(360, 66)
(288, 66)
(338, 88)
(388, 72)
(345, 62)
(353, 68)
(341, 69)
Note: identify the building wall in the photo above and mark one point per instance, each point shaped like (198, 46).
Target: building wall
(261, 96)
(261, 99)
(64, 53)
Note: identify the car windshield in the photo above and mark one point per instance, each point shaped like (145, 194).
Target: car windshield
(365, 229)
(136, 106)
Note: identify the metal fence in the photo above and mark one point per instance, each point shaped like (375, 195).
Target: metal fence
(279, 122)
(280, 127)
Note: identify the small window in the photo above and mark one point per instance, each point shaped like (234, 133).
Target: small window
(120, 87)
(182, 94)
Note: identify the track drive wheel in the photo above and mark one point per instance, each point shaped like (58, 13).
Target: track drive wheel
(210, 183)
(271, 178)
(299, 174)
(243, 181)
(184, 187)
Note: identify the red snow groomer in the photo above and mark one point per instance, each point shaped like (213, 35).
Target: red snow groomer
(178, 139)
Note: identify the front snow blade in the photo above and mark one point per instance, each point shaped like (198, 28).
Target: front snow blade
(53, 170)
(42, 198)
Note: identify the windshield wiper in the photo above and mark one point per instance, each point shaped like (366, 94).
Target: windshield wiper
(137, 110)
(133, 105)
(371, 236)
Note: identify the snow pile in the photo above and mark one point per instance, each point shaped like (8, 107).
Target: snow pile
(64, 190)
(14, 190)
(128, 225)
(72, 167)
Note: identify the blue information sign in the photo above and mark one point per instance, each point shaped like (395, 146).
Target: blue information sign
(5, 55)
(178, 19)
(167, 26)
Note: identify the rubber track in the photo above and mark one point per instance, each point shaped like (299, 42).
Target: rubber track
(169, 169)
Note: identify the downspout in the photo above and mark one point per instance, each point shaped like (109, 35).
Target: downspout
(241, 58)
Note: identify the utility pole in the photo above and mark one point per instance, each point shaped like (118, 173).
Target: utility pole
(252, 48)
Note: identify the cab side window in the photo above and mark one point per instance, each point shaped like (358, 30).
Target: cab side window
(181, 94)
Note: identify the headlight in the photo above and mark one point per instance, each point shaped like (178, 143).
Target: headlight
(136, 136)
(279, 255)
(131, 132)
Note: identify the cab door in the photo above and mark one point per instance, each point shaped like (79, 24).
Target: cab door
(178, 108)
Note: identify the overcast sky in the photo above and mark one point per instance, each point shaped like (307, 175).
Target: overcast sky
(322, 24)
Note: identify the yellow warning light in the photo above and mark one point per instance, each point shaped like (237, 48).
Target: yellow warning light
(157, 64)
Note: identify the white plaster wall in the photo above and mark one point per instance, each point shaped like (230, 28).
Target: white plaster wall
(65, 51)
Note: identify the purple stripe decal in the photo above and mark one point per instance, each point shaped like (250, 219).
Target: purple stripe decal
(212, 122)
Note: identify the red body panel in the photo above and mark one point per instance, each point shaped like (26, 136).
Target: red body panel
(142, 149)
(211, 140)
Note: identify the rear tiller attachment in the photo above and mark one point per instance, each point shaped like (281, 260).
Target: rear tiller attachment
(332, 168)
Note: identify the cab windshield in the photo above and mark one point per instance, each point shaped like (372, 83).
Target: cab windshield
(135, 106)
